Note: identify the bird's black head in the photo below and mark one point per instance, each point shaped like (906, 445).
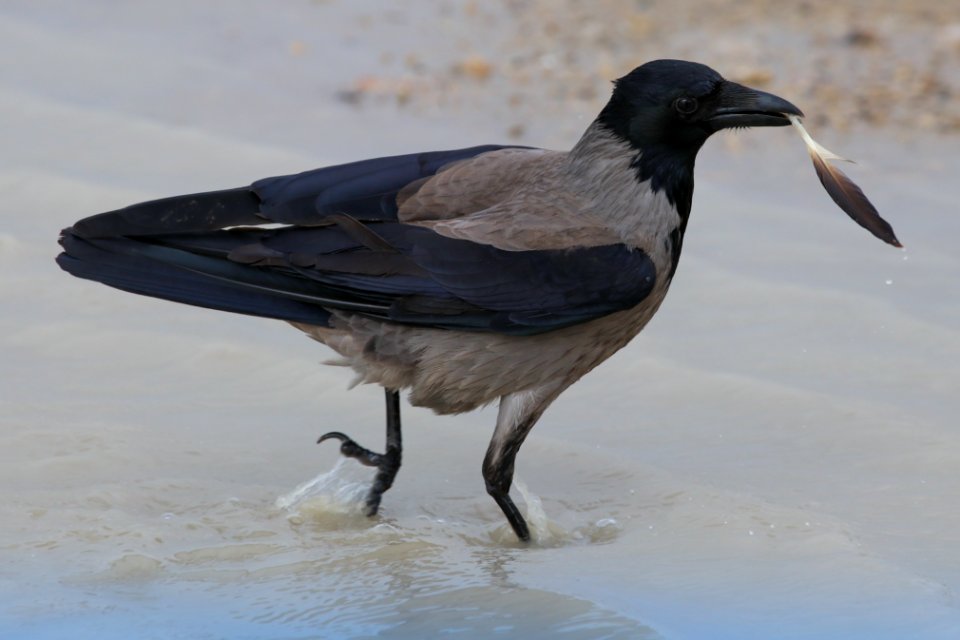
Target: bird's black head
(666, 110)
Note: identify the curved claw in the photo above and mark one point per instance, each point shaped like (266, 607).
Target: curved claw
(351, 449)
(342, 437)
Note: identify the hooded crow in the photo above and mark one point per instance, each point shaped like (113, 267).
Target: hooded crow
(464, 277)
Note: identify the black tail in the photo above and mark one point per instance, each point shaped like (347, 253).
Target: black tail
(125, 249)
(180, 214)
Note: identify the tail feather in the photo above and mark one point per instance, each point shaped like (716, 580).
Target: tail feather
(120, 249)
(180, 214)
(112, 264)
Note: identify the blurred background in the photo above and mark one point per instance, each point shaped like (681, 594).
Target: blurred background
(851, 63)
(776, 456)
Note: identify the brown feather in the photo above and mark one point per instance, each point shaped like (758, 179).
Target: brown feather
(852, 200)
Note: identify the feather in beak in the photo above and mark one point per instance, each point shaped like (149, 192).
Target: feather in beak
(843, 190)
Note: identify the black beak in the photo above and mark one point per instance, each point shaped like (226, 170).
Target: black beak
(740, 106)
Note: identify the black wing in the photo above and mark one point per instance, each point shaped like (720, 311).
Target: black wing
(338, 245)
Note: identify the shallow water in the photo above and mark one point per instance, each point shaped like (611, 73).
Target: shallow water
(777, 456)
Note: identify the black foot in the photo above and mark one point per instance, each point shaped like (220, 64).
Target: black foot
(351, 449)
(387, 464)
(512, 513)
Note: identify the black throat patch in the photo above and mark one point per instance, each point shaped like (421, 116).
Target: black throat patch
(671, 171)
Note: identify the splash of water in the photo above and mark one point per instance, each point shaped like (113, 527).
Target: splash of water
(331, 492)
(543, 531)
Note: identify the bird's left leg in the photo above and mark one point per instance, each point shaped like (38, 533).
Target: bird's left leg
(387, 463)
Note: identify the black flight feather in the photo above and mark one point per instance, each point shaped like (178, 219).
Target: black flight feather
(337, 246)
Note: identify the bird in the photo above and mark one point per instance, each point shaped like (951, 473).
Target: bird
(496, 273)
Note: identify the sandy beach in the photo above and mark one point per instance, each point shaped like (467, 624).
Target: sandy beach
(776, 456)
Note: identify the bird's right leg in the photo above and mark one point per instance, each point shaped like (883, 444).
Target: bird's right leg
(516, 417)
(387, 463)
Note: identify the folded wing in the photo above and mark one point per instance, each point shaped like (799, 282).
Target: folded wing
(298, 247)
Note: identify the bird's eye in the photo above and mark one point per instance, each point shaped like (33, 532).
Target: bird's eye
(685, 105)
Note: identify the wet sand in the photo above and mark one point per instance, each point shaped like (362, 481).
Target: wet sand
(776, 456)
